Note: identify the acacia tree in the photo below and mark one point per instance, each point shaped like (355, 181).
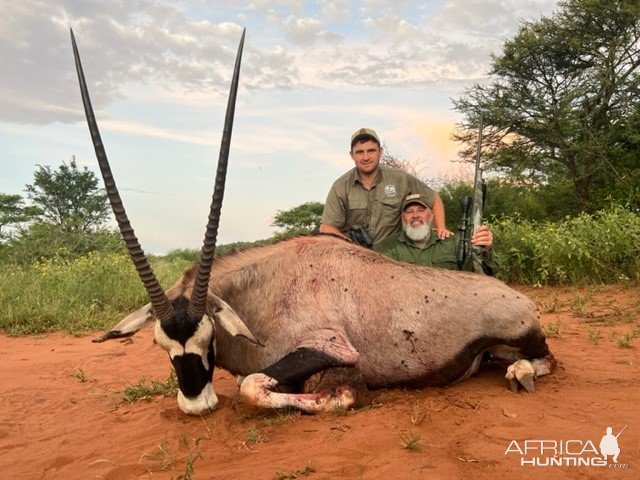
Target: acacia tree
(302, 219)
(69, 197)
(13, 212)
(566, 88)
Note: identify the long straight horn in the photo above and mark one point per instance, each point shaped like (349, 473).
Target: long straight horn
(161, 305)
(199, 294)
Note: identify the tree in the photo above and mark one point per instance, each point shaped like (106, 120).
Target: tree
(69, 197)
(626, 190)
(303, 219)
(507, 198)
(567, 88)
(389, 159)
(13, 212)
(47, 240)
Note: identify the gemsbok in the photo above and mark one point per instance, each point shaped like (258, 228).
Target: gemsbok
(278, 314)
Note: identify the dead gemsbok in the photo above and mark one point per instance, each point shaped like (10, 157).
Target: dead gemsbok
(278, 314)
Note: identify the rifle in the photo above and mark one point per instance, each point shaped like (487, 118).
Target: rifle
(479, 196)
(625, 427)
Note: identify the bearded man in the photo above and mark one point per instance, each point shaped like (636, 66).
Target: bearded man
(416, 242)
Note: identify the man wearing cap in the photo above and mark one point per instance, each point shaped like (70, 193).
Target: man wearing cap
(370, 196)
(415, 243)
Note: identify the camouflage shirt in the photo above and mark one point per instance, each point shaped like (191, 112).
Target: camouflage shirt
(436, 253)
(349, 204)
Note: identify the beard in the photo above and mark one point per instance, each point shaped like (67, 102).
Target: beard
(420, 233)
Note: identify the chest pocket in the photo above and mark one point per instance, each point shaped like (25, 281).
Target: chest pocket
(389, 213)
(357, 211)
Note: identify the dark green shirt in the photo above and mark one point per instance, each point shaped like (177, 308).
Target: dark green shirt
(436, 253)
(378, 210)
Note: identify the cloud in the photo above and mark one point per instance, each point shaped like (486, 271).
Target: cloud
(382, 8)
(392, 29)
(190, 46)
(304, 31)
(120, 44)
(334, 10)
(270, 69)
(471, 21)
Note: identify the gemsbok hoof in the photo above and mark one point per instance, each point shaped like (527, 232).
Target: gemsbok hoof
(521, 373)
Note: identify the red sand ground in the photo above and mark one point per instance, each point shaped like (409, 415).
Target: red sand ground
(62, 414)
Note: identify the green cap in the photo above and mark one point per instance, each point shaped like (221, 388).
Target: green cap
(365, 131)
(414, 198)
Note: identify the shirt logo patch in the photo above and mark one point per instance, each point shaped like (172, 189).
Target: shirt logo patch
(390, 190)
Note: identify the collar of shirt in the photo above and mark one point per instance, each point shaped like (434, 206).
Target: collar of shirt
(378, 179)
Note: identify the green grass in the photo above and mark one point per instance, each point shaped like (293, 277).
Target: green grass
(409, 441)
(193, 455)
(551, 330)
(145, 391)
(594, 335)
(86, 294)
(282, 416)
(624, 341)
(254, 436)
(161, 459)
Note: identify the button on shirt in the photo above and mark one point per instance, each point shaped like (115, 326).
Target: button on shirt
(349, 204)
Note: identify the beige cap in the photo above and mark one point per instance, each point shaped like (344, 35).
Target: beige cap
(365, 131)
(414, 198)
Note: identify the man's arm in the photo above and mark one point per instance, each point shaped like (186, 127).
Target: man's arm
(439, 224)
(330, 229)
(333, 214)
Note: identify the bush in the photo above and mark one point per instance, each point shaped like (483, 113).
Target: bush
(47, 242)
(83, 294)
(187, 255)
(599, 248)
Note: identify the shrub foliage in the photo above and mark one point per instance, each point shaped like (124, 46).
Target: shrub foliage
(83, 294)
(599, 248)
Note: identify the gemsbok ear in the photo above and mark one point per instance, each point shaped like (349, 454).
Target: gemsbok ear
(130, 324)
(229, 320)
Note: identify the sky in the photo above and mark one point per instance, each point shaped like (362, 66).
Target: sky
(312, 73)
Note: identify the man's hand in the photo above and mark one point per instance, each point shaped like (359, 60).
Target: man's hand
(443, 233)
(482, 237)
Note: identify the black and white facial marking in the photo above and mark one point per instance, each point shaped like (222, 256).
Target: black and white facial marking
(190, 344)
